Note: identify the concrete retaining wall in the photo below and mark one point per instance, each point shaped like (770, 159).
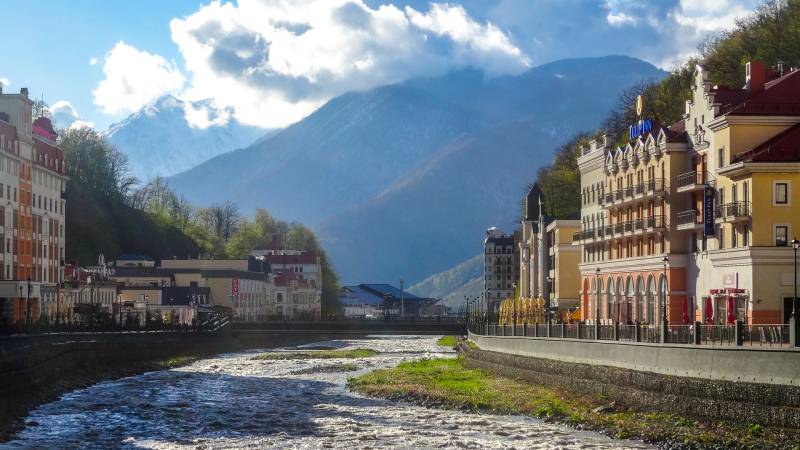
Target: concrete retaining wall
(738, 364)
(766, 404)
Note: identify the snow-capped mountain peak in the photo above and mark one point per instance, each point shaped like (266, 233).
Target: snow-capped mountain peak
(160, 140)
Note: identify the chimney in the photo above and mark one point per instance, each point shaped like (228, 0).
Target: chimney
(755, 77)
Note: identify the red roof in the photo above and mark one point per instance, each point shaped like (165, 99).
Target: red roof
(783, 147)
(780, 97)
(304, 258)
(283, 277)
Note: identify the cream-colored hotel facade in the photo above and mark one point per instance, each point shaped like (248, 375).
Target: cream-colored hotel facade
(694, 222)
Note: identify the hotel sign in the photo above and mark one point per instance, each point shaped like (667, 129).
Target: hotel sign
(708, 211)
(642, 127)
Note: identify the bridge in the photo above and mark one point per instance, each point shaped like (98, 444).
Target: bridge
(391, 327)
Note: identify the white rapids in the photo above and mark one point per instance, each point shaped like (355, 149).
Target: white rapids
(232, 401)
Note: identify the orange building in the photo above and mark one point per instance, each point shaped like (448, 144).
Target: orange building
(32, 208)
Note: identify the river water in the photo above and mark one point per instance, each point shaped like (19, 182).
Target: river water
(233, 401)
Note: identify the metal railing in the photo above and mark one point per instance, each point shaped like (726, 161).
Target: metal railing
(766, 335)
(695, 179)
(732, 210)
(717, 334)
(688, 218)
(739, 334)
(680, 334)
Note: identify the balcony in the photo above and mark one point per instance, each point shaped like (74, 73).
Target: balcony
(732, 212)
(582, 236)
(633, 193)
(642, 225)
(694, 181)
(689, 220)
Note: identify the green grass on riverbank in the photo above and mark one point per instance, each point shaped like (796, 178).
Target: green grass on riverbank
(318, 354)
(447, 341)
(449, 383)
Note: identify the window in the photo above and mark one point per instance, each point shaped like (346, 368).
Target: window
(745, 236)
(720, 157)
(733, 237)
(781, 235)
(780, 190)
(721, 238)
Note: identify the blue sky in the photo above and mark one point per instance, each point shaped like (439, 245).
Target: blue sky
(271, 62)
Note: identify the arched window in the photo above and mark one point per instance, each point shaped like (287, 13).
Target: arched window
(628, 301)
(609, 294)
(640, 299)
(651, 302)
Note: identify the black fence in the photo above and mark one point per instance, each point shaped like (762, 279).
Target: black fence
(205, 322)
(739, 334)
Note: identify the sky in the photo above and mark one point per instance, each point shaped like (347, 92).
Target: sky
(269, 63)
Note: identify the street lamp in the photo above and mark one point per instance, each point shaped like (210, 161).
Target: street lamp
(665, 260)
(548, 305)
(597, 296)
(795, 246)
(28, 305)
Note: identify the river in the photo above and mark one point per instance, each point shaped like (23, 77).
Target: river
(233, 401)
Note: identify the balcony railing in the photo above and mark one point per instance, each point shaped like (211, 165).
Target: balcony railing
(654, 186)
(688, 218)
(655, 222)
(691, 179)
(733, 210)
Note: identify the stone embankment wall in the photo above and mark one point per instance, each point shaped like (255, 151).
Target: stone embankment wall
(742, 402)
(726, 363)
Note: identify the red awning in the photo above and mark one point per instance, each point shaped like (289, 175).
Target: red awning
(709, 311)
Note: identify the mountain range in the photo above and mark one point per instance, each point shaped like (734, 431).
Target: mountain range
(158, 139)
(403, 180)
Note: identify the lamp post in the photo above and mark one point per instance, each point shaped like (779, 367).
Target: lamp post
(793, 330)
(597, 296)
(795, 246)
(28, 306)
(548, 300)
(664, 324)
(664, 293)
(91, 302)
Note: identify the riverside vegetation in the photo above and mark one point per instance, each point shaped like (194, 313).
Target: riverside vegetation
(449, 383)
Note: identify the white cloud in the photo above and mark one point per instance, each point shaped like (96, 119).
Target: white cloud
(617, 19)
(5, 81)
(273, 62)
(134, 78)
(65, 116)
(92, 61)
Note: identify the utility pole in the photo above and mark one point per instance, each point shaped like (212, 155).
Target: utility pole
(402, 301)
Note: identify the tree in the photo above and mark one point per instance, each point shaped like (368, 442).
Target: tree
(92, 161)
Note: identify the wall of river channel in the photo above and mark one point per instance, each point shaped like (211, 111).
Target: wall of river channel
(601, 369)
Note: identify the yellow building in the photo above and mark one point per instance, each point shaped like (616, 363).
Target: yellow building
(747, 147)
(563, 277)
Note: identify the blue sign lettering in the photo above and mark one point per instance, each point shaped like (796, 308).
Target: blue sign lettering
(708, 211)
(643, 127)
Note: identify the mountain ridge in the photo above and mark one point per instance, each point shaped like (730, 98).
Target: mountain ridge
(159, 140)
(402, 180)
